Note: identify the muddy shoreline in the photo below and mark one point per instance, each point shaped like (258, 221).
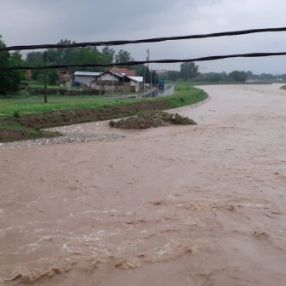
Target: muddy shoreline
(189, 205)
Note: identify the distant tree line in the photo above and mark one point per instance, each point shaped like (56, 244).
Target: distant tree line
(190, 71)
(73, 56)
(235, 76)
(10, 81)
(76, 56)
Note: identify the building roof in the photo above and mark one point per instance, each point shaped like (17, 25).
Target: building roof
(84, 73)
(137, 78)
(118, 75)
(124, 71)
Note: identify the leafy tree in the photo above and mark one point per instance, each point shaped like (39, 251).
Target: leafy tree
(4, 61)
(9, 80)
(61, 56)
(213, 77)
(15, 77)
(86, 56)
(35, 59)
(172, 75)
(189, 70)
(238, 76)
(249, 74)
(149, 76)
(107, 55)
(123, 56)
(73, 56)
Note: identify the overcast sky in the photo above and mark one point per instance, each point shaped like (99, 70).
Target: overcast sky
(48, 21)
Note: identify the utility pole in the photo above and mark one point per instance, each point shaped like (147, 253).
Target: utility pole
(144, 79)
(155, 82)
(144, 67)
(112, 91)
(148, 59)
(45, 80)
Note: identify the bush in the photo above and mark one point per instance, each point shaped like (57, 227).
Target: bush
(16, 114)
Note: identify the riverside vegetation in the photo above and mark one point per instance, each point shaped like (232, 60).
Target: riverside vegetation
(24, 118)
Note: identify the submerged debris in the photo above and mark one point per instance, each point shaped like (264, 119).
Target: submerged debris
(151, 119)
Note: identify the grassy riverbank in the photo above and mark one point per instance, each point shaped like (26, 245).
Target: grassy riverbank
(23, 117)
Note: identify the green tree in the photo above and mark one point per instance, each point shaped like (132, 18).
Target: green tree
(9, 80)
(15, 77)
(35, 59)
(238, 76)
(61, 56)
(89, 55)
(172, 75)
(214, 77)
(122, 57)
(4, 61)
(148, 75)
(107, 55)
(189, 71)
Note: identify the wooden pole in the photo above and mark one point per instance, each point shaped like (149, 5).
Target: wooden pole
(45, 81)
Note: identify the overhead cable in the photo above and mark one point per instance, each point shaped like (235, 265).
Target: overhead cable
(136, 63)
(141, 41)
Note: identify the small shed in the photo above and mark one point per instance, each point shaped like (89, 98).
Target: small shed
(85, 78)
(136, 83)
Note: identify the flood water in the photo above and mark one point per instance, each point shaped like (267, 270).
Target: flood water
(191, 205)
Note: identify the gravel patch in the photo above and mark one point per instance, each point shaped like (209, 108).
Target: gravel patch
(80, 133)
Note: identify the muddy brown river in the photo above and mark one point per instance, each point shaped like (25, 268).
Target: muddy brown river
(194, 205)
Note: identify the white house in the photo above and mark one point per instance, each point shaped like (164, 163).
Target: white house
(110, 81)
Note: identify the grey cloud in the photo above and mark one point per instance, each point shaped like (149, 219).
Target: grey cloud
(41, 21)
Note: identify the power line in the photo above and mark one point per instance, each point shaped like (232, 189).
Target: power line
(140, 41)
(134, 63)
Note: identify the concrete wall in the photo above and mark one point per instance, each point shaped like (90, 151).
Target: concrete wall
(135, 86)
(108, 86)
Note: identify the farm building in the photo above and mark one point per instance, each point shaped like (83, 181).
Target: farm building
(136, 83)
(110, 81)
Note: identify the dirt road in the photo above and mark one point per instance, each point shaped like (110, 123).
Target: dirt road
(195, 205)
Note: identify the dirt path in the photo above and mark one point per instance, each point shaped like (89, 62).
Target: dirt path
(203, 205)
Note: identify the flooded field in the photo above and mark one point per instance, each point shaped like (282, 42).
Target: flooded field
(190, 205)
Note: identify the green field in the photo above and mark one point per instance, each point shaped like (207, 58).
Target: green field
(16, 111)
(26, 105)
